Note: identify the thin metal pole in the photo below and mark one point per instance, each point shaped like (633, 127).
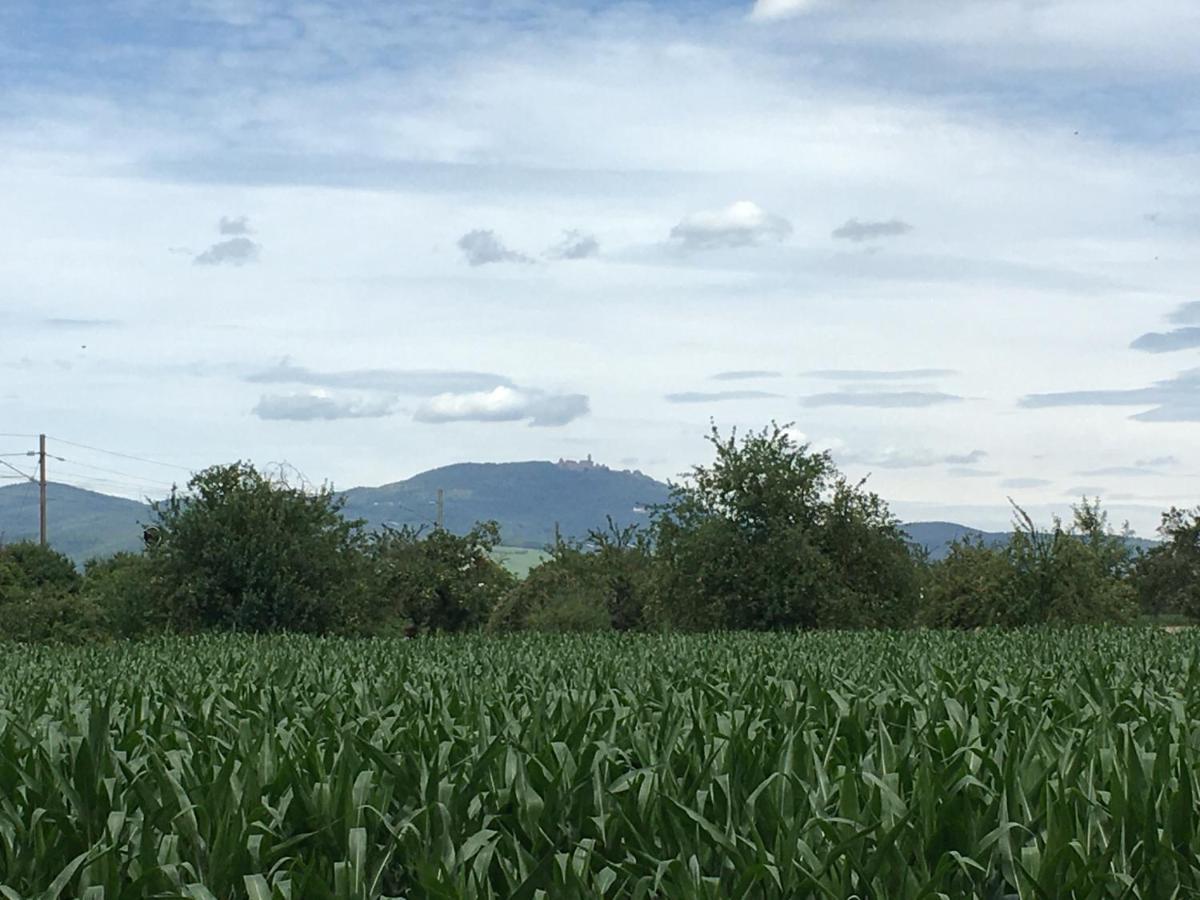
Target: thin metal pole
(42, 486)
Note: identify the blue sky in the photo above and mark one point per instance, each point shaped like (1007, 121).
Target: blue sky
(954, 243)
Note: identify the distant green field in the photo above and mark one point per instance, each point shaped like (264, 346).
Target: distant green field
(519, 560)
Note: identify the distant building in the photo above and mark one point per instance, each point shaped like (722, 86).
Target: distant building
(580, 465)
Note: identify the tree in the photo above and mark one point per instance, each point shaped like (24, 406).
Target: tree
(40, 598)
(598, 584)
(241, 550)
(438, 581)
(771, 535)
(1076, 574)
(1168, 575)
(1070, 575)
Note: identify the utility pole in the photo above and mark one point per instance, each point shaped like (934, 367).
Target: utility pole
(42, 485)
(441, 509)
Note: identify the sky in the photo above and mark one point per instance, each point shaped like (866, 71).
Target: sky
(956, 244)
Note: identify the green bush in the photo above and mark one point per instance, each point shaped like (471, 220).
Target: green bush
(240, 550)
(1074, 575)
(1167, 577)
(436, 582)
(603, 583)
(771, 536)
(40, 598)
(29, 565)
(972, 587)
(126, 591)
(575, 611)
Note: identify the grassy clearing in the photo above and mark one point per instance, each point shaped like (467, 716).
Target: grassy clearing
(1036, 764)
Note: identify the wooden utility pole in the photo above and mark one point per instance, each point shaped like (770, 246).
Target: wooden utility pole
(441, 509)
(42, 486)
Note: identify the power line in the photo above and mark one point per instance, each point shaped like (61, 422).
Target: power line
(153, 462)
(137, 478)
(18, 471)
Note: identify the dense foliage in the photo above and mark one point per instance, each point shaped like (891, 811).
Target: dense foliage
(1169, 575)
(437, 581)
(1032, 763)
(769, 536)
(772, 536)
(240, 550)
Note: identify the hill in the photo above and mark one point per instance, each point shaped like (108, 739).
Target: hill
(936, 537)
(81, 523)
(528, 499)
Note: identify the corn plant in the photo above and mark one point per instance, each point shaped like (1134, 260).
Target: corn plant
(1037, 764)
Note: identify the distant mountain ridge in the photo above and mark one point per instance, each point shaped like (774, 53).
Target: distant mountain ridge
(530, 500)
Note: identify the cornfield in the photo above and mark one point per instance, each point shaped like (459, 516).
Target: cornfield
(1033, 764)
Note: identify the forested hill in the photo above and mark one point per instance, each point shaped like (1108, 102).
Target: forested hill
(526, 498)
(82, 524)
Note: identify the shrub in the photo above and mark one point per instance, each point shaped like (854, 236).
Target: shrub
(126, 591)
(971, 587)
(240, 550)
(599, 584)
(1167, 577)
(1068, 575)
(40, 599)
(439, 581)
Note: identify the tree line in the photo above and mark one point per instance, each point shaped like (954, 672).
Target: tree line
(768, 535)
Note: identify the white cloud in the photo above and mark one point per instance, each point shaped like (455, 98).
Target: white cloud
(741, 224)
(504, 404)
(781, 9)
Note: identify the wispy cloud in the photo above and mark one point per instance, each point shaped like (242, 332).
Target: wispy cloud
(483, 246)
(1119, 471)
(81, 324)
(718, 396)
(320, 405)
(746, 375)
(575, 245)
(1169, 341)
(968, 472)
(412, 382)
(1172, 400)
(741, 224)
(233, 226)
(854, 230)
(896, 458)
(878, 374)
(504, 404)
(1019, 483)
(881, 399)
(966, 459)
(237, 251)
(1187, 314)
(1158, 462)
